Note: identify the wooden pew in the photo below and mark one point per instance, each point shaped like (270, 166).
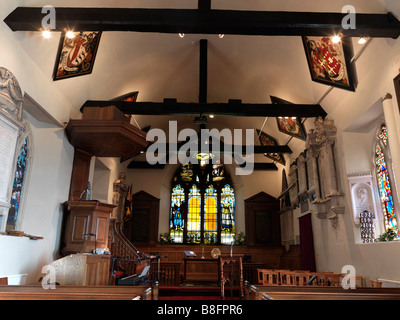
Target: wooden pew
(36, 292)
(376, 283)
(282, 277)
(319, 293)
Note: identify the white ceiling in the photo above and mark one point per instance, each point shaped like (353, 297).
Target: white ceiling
(250, 68)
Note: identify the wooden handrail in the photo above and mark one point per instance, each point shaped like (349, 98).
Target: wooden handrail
(121, 247)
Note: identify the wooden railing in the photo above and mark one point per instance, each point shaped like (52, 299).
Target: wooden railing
(168, 273)
(121, 247)
(250, 271)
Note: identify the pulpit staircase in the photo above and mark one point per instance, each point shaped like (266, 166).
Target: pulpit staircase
(131, 261)
(121, 247)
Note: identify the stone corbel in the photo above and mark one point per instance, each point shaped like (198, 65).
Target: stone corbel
(333, 218)
(330, 208)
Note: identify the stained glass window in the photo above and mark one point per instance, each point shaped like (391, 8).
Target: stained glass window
(202, 206)
(227, 215)
(177, 222)
(194, 216)
(384, 183)
(17, 189)
(383, 136)
(210, 215)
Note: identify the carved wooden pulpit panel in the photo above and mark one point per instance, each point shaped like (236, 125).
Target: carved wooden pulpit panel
(231, 272)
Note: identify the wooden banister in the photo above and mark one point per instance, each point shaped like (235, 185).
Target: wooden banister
(121, 247)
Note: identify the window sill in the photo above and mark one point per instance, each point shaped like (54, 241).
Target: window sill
(20, 234)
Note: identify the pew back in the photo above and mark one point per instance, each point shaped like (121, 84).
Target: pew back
(35, 292)
(319, 293)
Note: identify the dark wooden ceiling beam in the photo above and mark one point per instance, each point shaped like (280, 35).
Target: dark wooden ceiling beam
(206, 21)
(243, 149)
(144, 165)
(203, 72)
(260, 166)
(218, 109)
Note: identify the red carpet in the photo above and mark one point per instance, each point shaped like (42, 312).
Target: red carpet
(196, 293)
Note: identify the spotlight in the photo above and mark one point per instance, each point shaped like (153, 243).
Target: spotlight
(336, 39)
(70, 35)
(211, 116)
(221, 35)
(362, 40)
(182, 35)
(46, 34)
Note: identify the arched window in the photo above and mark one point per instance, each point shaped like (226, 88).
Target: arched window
(202, 205)
(384, 180)
(18, 184)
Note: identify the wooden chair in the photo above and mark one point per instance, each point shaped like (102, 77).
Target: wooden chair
(334, 279)
(270, 278)
(327, 278)
(300, 278)
(315, 277)
(260, 275)
(376, 283)
(287, 278)
(4, 281)
(359, 281)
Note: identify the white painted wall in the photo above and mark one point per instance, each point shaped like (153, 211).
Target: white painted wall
(336, 247)
(53, 155)
(50, 167)
(46, 188)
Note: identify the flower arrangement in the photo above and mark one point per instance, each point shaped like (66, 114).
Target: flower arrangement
(389, 235)
(240, 239)
(166, 238)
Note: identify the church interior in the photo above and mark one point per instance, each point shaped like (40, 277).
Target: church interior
(152, 147)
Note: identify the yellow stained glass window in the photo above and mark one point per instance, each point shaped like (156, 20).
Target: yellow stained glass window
(210, 215)
(194, 217)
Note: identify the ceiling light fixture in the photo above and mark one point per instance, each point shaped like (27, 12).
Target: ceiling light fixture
(211, 116)
(362, 40)
(70, 35)
(182, 35)
(336, 39)
(221, 35)
(46, 34)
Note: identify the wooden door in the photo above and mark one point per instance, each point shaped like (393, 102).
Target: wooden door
(262, 220)
(307, 243)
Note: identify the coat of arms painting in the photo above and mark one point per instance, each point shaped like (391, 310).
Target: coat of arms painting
(76, 54)
(329, 62)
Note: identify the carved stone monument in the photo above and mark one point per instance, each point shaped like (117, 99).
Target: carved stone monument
(329, 201)
(119, 194)
(11, 98)
(11, 126)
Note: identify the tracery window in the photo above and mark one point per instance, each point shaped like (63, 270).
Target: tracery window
(202, 205)
(384, 181)
(17, 190)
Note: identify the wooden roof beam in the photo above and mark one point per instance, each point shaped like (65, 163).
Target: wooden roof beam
(207, 21)
(233, 108)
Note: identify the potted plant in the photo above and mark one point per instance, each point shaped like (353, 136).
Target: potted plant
(389, 235)
(165, 238)
(240, 239)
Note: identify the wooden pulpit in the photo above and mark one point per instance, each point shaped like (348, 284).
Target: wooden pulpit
(86, 226)
(231, 272)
